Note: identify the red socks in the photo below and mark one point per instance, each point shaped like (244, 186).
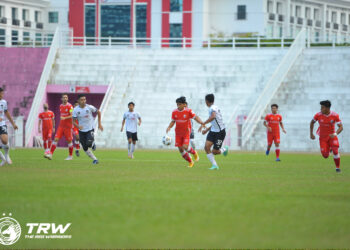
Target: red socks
(191, 150)
(45, 145)
(186, 156)
(70, 148)
(49, 143)
(53, 147)
(277, 153)
(77, 145)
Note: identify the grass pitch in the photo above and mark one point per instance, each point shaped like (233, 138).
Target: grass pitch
(154, 201)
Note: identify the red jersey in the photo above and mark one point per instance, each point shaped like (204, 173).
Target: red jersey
(273, 121)
(183, 120)
(46, 118)
(327, 123)
(66, 110)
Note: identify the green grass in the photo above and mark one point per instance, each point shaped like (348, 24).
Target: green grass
(154, 201)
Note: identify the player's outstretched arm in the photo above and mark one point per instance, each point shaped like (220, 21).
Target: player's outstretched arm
(312, 136)
(282, 126)
(140, 121)
(123, 123)
(100, 127)
(171, 124)
(211, 118)
(199, 120)
(9, 117)
(206, 130)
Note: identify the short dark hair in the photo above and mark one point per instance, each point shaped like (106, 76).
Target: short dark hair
(326, 103)
(81, 95)
(274, 105)
(1, 89)
(63, 94)
(181, 100)
(210, 98)
(131, 103)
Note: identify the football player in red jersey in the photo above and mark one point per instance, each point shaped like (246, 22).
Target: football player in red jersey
(47, 118)
(181, 117)
(273, 122)
(64, 128)
(328, 135)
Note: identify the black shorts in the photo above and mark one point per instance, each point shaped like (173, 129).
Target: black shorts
(3, 130)
(217, 138)
(86, 139)
(192, 134)
(133, 136)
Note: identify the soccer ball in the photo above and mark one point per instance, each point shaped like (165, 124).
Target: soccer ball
(166, 140)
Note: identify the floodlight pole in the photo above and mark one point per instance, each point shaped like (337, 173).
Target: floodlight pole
(134, 23)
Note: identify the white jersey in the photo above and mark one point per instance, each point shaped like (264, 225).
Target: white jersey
(217, 124)
(131, 121)
(3, 109)
(84, 116)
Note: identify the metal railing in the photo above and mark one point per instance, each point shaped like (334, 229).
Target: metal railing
(45, 40)
(272, 86)
(31, 123)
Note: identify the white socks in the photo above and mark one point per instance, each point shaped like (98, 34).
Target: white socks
(2, 157)
(6, 149)
(222, 150)
(129, 148)
(90, 154)
(132, 147)
(212, 159)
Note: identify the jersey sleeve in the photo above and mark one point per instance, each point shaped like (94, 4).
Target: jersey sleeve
(124, 116)
(281, 118)
(267, 118)
(337, 119)
(173, 116)
(5, 106)
(40, 116)
(138, 116)
(316, 117)
(191, 113)
(71, 109)
(93, 109)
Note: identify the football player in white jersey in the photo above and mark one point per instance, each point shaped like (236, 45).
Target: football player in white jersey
(217, 133)
(4, 113)
(132, 119)
(83, 114)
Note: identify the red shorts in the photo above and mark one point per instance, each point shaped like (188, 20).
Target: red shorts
(66, 132)
(327, 143)
(47, 134)
(271, 137)
(181, 140)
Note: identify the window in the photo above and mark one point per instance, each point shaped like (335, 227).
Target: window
(241, 12)
(90, 23)
(53, 17)
(25, 15)
(342, 18)
(270, 6)
(38, 37)
(1, 10)
(115, 21)
(2, 36)
(327, 16)
(298, 11)
(317, 14)
(307, 13)
(37, 16)
(175, 32)
(334, 17)
(14, 13)
(279, 8)
(26, 36)
(14, 37)
(141, 21)
(175, 5)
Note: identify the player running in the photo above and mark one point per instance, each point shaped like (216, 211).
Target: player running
(217, 132)
(64, 128)
(132, 118)
(83, 114)
(76, 134)
(3, 130)
(47, 119)
(193, 145)
(328, 136)
(181, 117)
(273, 122)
